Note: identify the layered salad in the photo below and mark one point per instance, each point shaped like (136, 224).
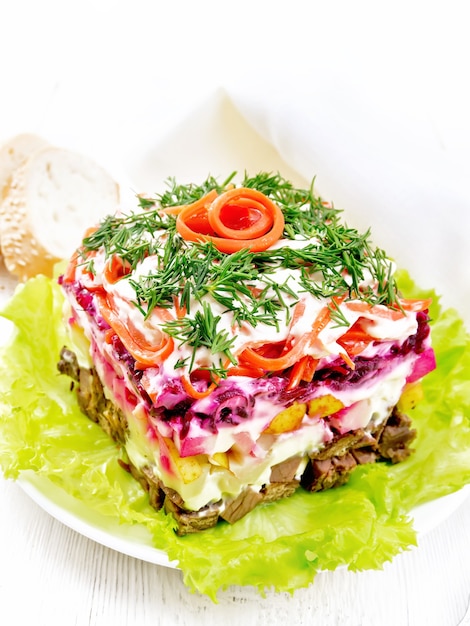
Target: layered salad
(240, 342)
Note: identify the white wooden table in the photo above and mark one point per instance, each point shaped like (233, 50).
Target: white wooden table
(53, 576)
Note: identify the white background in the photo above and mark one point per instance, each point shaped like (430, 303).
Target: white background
(372, 98)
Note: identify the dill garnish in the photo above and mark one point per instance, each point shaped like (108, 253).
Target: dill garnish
(328, 258)
(131, 237)
(201, 331)
(185, 194)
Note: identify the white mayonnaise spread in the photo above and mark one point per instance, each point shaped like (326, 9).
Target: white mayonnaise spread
(235, 455)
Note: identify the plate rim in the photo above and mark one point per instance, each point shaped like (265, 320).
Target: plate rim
(130, 539)
(134, 540)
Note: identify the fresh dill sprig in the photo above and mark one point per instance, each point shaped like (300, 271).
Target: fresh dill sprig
(178, 194)
(330, 259)
(194, 272)
(131, 236)
(304, 212)
(201, 331)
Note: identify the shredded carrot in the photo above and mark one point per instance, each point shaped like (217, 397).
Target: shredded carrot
(252, 217)
(108, 335)
(115, 269)
(193, 392)
(145, 354)
(180, 310)
(69, 273)
(293, 354)
(245, 370)
(299, 310)
(257, 236)
(347, 359)
(355, 339)
(392, 313)
(309, 369)
(198, 204)
(321, 321)
(297, 373)
(415, 305)
(378, 310)
(274, 364)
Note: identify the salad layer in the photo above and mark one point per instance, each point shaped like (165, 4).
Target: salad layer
(240, 330)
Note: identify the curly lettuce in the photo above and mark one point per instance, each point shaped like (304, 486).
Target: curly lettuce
(278, 546)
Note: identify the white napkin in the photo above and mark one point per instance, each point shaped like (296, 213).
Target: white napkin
(394, 171)
(387, 172)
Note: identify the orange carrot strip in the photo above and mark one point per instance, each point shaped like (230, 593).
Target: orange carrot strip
(378, 310)
(275, 364)
(299, 310)
(115, 269)
(260, 244)
(202, 202)
(288, 359)
(355, 339)
(321, 321)
(180, 310)
(69, 274)
(347, 359)
(228, 206)
(193, 392)
(392, 313)
(230, 245)
(310, 369)
(245, 370)
(415, 305)
(108, 335)
(297, 373)
(134, 341)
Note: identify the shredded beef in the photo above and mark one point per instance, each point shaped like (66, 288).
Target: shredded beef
(91, 398)
(238, 507)
(192, 521)
(321, 474)
(396, 437)
(285, 471)
(332, 466)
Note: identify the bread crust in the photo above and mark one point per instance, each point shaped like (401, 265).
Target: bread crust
(24, 255)
(12, 154)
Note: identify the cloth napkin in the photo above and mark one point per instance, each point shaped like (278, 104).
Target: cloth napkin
(392, 171)
(387, 171)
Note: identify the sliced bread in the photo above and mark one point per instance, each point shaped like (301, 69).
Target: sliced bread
(52, 198)
(13, 152)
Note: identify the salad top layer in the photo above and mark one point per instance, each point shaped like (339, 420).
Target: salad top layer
(207, 282)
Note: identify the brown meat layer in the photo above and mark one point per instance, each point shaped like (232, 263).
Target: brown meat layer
(328, 468)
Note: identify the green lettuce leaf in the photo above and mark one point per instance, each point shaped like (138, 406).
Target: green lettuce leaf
(277, 546)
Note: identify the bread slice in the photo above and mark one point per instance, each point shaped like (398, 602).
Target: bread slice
(13, 152)
(52, 198)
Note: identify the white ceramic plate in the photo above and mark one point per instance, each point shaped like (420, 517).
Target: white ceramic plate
(225, 142)
(135, 540)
